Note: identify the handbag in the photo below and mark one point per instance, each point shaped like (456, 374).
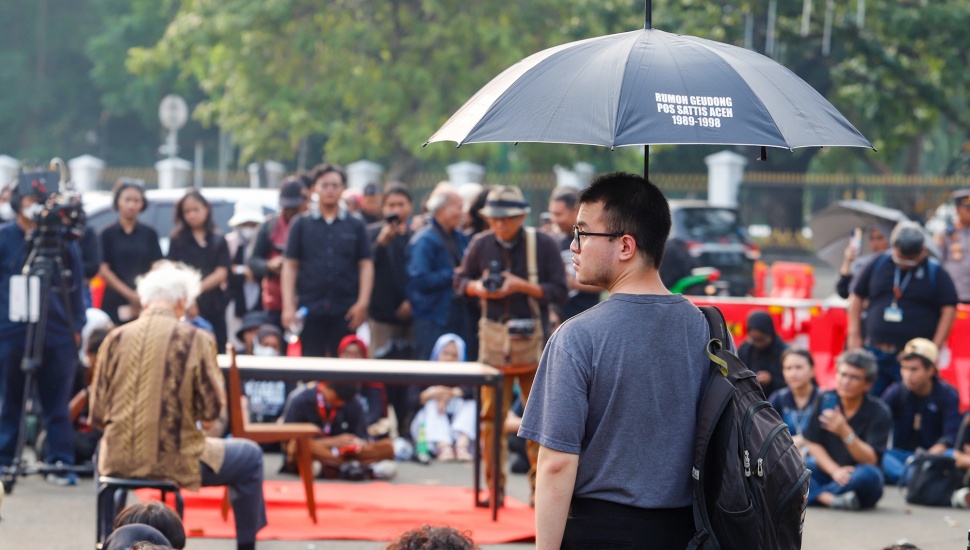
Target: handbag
(516, 351)
(932, 480)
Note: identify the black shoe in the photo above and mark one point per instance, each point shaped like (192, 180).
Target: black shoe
(520, 464)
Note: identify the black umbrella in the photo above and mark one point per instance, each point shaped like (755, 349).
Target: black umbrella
(650, 87)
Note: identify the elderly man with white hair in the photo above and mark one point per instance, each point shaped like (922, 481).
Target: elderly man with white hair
(156, 382)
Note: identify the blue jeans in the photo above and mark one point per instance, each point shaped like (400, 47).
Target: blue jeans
(425, 333)
(242, 472)
(894, 465)
(888, 367)
(54, 380)
(866, 481)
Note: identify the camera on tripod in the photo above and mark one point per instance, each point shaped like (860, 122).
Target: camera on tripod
(58, 213)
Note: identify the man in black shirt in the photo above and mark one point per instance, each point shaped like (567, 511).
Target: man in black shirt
(910, 296)
(327, 268)
(390, 310)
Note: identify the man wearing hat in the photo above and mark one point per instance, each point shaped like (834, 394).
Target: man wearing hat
(370, 203)
(925, 409)
(244, 289)
(910, 296)
(517, 273)
(266, 258)
(954, 244)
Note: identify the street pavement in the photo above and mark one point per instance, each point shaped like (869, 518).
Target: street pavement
(48, 517)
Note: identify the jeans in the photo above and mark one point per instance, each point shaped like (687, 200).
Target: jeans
(321, 336)
(54, 380)
(866, 480)
(602, 525)
(888, 371)
(425, 333)
(242, 472)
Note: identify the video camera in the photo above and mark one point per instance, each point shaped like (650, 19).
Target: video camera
(57, 213)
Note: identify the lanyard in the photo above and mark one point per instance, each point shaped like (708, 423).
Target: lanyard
(899, 289)
(327, 415)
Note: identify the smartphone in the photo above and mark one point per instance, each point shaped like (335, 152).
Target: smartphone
(829, 401)
(392, 218)
(856, 240)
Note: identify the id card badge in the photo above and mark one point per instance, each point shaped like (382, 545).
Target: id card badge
(893, 314)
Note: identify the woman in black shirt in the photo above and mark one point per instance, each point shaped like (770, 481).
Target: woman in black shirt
(196, 243)
(128, 249)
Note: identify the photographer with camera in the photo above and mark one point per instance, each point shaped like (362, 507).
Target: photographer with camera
(389, 314)
(517, 273)
(37, 230)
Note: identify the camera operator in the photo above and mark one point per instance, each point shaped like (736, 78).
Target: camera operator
(515, 320)
(55, 375)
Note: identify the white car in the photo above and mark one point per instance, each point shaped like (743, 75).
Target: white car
(161, 207)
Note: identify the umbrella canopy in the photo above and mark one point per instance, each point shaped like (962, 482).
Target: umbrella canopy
(832, 228)
(650, 87)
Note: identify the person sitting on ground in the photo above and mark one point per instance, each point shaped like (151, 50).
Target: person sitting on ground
(246, 334)
(447, 413)
(154, 514)
(372, 395)
(925, 409)
(796, 401)
(156, 383)
(344, 451)
(136, 536)
(847, 436)
(762, 350)
(433, 538)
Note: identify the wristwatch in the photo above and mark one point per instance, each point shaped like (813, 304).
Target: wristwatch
(849, 439)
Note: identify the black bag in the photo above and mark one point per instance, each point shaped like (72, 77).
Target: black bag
(932, 480)
(750, 482)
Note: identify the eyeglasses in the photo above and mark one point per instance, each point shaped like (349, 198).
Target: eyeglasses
(579, 243)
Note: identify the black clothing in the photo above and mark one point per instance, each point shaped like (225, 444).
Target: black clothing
(595, 523)
(321, 336)
(129, 255)
(215, 254)
(871, 423)
(767, 359)
(677, 262)
(90, 252)
(261, 247)
(328, 277)
(390, 275)
(302, 406)
(925, 290)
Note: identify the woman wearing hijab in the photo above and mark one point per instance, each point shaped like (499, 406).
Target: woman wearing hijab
(448, 414)
(761, 351)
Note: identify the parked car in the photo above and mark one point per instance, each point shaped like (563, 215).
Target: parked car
(160, 213)
(715, 238)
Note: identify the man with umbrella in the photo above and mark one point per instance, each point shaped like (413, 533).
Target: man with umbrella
(910, 296)
(955, 246)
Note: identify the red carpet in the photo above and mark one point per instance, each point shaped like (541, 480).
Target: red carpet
(363, 511)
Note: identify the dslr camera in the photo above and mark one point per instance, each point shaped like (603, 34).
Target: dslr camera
(494, 280)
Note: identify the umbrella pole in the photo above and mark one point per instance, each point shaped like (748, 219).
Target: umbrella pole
(648, 16)
(646, 161)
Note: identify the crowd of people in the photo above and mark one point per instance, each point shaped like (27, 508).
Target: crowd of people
(371, 275)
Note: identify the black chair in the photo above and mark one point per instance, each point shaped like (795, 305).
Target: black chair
(113, 494)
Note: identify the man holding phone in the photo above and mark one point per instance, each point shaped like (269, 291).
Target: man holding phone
(389, 314)
(847, 436)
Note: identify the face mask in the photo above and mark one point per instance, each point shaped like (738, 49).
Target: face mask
(246, 232)
(6, 212)
(264, 351)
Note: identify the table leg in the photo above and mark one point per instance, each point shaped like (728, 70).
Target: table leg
(497, 446)
(478, 443)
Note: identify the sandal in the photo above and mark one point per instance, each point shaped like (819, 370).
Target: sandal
(462, 451)
(445, 452)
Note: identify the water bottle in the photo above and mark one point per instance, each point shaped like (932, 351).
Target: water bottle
(421, 446)
(296, 327)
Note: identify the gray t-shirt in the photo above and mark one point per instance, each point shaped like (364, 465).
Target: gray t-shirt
(618, 385)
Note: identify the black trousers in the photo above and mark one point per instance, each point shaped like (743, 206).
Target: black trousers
(603, 525)
(321, 336)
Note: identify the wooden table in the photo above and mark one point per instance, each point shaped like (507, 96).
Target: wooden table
(389, 371)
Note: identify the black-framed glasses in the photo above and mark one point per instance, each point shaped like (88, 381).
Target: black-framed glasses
(577, 234)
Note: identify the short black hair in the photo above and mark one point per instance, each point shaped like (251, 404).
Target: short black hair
(345, 390)
(96, 338)
(157, 515)
(396, 188)
(321, 169)
(126, 183)
(566, 195)
(634, 206)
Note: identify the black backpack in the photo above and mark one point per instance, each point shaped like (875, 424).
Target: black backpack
(750, 482)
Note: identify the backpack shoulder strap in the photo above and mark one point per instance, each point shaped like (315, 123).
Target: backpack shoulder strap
(719, 333)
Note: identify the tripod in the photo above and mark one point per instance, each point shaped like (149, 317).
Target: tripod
(44, 262)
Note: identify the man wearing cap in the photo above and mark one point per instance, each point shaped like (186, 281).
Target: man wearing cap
(496, 271)
(926, 410)
(243, 287)
(266, 258)
(910, 296)
(370, 203)
(327, 268)
(955, 246)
